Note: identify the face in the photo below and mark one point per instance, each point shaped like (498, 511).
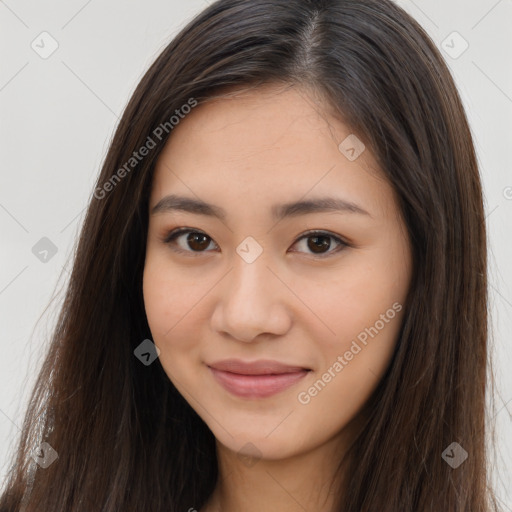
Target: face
(318, 287)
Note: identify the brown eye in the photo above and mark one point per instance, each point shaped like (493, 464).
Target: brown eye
(319, 243)
(194, 242)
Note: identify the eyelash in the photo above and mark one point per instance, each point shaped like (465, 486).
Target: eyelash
(172, 235)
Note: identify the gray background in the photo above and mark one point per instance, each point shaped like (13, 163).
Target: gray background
(58, 114)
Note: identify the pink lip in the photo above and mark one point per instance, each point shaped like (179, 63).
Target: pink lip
(258, 379)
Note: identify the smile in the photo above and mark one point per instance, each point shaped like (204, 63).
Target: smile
(257, 386)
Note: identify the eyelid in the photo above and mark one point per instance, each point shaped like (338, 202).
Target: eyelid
(170, 236)
(341, 242)
(173, 234)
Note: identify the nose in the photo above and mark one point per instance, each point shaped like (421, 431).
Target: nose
(252, 301)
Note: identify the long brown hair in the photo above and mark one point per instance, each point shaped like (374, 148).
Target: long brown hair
(126, 439)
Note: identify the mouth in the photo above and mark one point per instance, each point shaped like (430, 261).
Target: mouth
(259, 379)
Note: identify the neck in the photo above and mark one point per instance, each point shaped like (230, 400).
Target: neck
(307, 481)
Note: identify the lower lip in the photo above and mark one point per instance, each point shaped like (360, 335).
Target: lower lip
(256, 386)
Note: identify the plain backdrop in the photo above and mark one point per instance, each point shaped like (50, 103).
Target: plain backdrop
(59, 111)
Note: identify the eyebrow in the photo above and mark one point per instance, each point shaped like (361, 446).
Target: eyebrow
(279, 211)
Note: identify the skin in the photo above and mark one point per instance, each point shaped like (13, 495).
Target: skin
(245, 153)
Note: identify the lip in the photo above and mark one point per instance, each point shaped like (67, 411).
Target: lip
(259, 367)
(257, 379)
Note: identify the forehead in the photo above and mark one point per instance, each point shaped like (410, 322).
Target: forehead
(265, 142)
(285, 122)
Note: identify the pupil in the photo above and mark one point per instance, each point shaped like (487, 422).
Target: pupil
(322, 245)
(191, 239)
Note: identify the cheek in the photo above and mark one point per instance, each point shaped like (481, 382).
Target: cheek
(360, 352)
(159, 300)
(364, 307)
(168, 301)
(358, 302)
(352, 371)
(377, 289)
(175, 312)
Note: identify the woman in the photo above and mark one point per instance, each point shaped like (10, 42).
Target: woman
(208, 358)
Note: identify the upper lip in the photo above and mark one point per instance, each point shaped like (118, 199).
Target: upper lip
(260, 367)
